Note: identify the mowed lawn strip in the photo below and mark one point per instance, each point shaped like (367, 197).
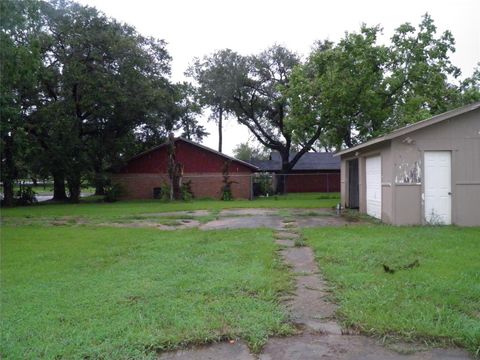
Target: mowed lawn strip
(128, 293)
(111, 210)
(437, 301)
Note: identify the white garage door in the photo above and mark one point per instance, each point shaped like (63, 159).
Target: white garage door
(374, 186)
(438, 187)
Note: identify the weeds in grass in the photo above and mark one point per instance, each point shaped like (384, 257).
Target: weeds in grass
(213, 215)
(356, 216)
(284, 213)
(313, 213)
(299, 242)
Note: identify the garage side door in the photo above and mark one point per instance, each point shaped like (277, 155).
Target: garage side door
(374, 186)
(438, 187)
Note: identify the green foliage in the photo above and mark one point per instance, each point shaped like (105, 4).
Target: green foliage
(342, 87)
(25, 195)
(420, 70)
(113, 192)
(358, 89)
(246, 152)
(262, 184)
(186, 191)
(218, 77)
(438, 300)
(226, 191)
(19, 64)
(80, 92)
(165, 192)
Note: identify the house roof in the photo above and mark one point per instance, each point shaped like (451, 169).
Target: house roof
(251, 166)
(309, 161)
(413, 127)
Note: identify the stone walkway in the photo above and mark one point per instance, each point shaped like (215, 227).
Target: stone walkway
(320, 336)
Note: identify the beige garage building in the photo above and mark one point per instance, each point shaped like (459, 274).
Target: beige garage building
(424, 173)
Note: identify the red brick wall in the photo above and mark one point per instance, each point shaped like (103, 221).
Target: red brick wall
(140, 186)
(313, 182)
(194, 159)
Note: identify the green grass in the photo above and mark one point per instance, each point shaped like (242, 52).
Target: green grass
(86, 292)
(438, 301)
(109, 210)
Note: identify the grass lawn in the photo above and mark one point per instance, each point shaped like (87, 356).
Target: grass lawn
(86, 292)
(109, 210)
(437, 301)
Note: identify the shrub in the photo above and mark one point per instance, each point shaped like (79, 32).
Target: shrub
(113, 192)
(186, 191)
(226, 191)
(25, 196)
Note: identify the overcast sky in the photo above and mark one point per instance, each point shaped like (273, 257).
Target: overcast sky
(193, 28)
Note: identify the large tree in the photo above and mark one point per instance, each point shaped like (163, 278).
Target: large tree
(421, 76)
(19, 66)
(218, 76)
(260, 103)
(87, 93)
(362, 89)
(247, 151)
(344, 85)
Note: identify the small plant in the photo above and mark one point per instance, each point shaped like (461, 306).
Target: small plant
(113, 192)
(299, 242)
(262, 184)
(25, 196)
(165, 192)
(227, 183)
(434, 219)
(186, 191)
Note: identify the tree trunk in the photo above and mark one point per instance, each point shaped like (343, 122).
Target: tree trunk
(59, 193)
(8, 172)
(99, 184)
(74, 188)
(8, 199)
(220, 130)
(282, 179)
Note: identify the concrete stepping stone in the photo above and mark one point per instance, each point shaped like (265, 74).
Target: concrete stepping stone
(222, 350)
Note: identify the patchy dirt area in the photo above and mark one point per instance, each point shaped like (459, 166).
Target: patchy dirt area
(203, 219)
(170, 225)
(248, 212)
(194, 213)
(243, 222)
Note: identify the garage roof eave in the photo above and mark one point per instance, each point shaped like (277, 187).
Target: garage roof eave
(412, 127)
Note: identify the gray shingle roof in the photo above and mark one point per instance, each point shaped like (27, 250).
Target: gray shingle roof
(309, 161)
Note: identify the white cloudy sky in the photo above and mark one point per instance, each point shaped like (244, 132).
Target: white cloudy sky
(193, 28)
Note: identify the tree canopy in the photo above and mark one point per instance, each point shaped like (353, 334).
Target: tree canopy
(361, 89)
(91, 91)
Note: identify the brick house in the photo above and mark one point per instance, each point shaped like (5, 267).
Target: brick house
(314, 172)
(201, 165)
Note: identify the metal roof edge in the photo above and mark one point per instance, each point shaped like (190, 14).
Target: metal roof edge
(413, 127)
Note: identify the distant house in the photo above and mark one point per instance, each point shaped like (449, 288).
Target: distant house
(144, 174)
(314, 172)
(424, 173)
